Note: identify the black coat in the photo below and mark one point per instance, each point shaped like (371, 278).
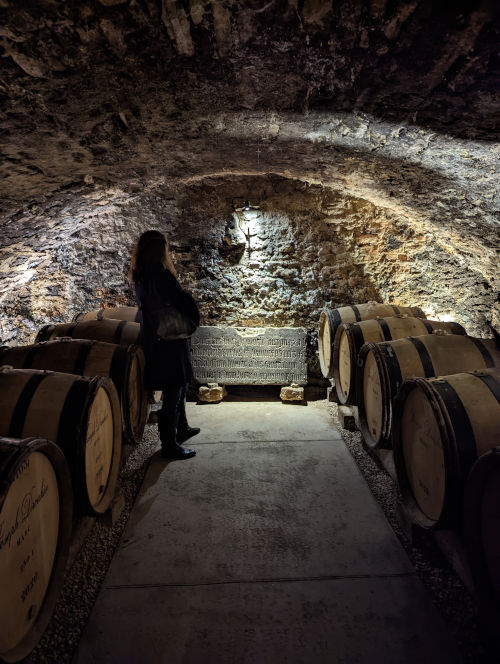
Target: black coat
(168, 363)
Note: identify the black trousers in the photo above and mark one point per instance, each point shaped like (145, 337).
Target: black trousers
(172, 411)
(173, 402)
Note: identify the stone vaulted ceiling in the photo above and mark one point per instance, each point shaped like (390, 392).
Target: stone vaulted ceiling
(132, 89)
(372, 125)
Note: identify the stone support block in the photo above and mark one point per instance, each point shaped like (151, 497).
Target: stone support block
(212, 393)
(331, 393)
(348, 417)
(292, 393)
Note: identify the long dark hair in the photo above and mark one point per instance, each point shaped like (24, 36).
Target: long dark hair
(150, 254)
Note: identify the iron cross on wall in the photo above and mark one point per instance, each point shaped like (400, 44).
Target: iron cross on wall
(248, 236)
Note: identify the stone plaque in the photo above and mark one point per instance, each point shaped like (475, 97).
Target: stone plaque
(250, 355)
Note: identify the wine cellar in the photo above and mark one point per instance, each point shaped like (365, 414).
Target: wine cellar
(325, 177)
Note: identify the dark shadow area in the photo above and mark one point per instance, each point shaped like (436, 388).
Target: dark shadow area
(259, 393)
(433, 65)
(241, 393)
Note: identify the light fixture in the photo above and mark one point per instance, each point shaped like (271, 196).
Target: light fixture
(245, 214)
(246, 207)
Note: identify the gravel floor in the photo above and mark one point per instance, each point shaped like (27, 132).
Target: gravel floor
(84, 578)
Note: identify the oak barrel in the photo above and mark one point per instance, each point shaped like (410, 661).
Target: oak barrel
(85, 357)
(441, 426)
(80, 414)
(383, 367)
(350, 337)
(112, 331)
(35, 528)
(481, 527)
(330, 319)
(117, 313)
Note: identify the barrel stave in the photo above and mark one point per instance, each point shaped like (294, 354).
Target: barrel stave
(426, 357)
(441, 426)
(116, 313)
(124, 333)
(427, 470)
(331, 319)
(38, 403)
(482, 526)
(482, 541)
(350, 338)
(325, 342)
(125, 365)
(36, 512)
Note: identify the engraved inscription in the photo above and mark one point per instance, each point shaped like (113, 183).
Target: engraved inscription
(249, 356)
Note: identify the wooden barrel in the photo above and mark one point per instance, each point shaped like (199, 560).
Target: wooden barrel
(383, 367)
(85, 357)
(35, 529)
(330, 319)
(119, 332)
(441, 426)
(350, 337)
(117, 313)
(481, 528)
(82, 415)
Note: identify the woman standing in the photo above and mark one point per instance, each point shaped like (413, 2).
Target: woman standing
(168, 363)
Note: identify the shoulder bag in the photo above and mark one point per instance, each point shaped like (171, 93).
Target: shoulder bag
(167, 321)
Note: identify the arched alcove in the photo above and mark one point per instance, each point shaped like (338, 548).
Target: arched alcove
(311, 246)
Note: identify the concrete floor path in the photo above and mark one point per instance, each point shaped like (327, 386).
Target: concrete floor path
(266, 548)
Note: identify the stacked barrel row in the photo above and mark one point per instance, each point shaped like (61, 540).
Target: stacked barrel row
(66, 406)
(432, 393)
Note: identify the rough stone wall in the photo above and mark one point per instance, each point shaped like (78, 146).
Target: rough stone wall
(81, 261)
(311, 247)
(59, 257)
(440, 191)
(368, 139)
(411, 265)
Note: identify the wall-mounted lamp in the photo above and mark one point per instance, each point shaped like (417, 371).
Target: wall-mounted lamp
(241, 215)
(246, 207)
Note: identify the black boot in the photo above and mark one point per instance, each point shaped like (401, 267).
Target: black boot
(176, 452)
(168, 436)
(184, 431)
